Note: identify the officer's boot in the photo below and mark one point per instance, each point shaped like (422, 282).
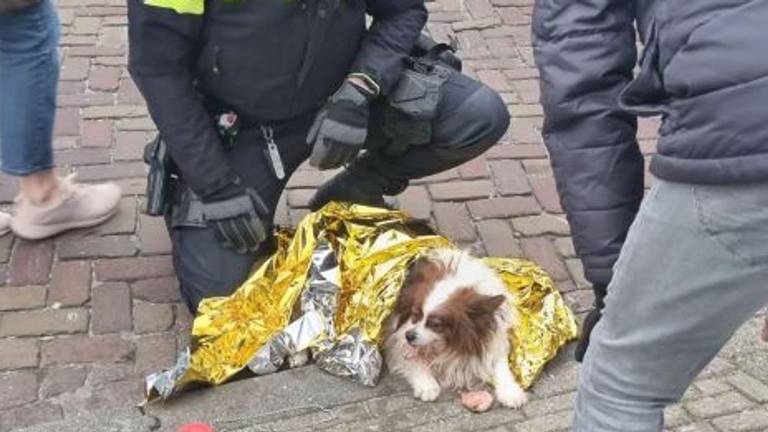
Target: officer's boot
(360, 183)
(590, 321)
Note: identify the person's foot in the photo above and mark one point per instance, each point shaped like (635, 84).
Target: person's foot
(74, 205)
(357, 186)
(5, 223)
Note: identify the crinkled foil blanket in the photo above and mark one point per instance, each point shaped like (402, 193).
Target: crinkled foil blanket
(338, 277)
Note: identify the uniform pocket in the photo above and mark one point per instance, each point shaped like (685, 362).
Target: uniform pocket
(417, 94)
(412, 106)
(736, 217)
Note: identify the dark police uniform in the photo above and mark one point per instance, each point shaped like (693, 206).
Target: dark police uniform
(275, 63)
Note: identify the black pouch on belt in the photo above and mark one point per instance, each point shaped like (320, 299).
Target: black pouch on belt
(411, 107)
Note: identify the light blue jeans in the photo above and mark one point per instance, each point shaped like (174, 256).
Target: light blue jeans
(29, 73)
(693, 269)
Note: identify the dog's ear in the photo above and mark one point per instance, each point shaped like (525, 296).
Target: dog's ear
(404, 305)
(480, 306)
(425, 269)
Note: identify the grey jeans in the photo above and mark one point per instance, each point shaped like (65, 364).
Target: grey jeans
(693, 269)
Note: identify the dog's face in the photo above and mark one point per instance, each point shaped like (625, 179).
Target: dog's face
(439, 311)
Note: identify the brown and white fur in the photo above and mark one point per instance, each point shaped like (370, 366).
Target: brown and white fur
(449, 329)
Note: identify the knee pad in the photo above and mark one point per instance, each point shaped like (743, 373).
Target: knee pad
(475, 124)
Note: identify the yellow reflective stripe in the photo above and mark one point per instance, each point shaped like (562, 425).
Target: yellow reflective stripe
(192, 7)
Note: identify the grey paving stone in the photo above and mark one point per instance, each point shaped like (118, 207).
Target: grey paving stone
(716, 406)
(751, 420)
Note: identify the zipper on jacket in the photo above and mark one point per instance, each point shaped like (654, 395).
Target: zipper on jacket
(216, 66)
(308, 15)
(322, 17)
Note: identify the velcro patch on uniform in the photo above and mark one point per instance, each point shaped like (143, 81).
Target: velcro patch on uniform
(191, 7)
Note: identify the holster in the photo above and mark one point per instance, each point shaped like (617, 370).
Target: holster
(410, 109)
(158, 177)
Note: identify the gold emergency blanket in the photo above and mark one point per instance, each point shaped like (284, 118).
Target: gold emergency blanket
(338, 276)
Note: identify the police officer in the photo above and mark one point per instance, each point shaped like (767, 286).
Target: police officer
(244, 91)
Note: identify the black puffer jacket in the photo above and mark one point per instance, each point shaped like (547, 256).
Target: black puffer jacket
(705, 69)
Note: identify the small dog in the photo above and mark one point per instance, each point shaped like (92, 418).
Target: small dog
(449, 329)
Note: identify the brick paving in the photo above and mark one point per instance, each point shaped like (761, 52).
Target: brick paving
(85, 316)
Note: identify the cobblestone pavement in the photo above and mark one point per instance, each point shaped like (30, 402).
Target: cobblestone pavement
(85, 316)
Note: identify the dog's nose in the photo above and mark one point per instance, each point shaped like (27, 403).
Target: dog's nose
(411, 336)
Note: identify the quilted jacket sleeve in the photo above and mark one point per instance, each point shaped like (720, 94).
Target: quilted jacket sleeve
(585, 51)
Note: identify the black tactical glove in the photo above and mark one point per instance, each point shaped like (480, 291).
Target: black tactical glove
(341, 127)
(240, 221)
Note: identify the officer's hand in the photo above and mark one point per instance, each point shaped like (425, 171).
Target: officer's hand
(240, 222)
(340, 128)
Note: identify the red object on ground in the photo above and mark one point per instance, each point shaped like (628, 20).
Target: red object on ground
(478, 401)
(195, 427)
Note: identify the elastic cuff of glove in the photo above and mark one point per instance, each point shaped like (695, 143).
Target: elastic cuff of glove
(371, 86)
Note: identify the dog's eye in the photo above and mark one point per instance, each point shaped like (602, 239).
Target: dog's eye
(434, 323)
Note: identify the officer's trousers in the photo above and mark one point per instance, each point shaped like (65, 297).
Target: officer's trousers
(470, 118)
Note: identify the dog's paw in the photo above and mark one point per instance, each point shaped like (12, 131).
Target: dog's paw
(299, 359)
(426, 389)
(511, 397)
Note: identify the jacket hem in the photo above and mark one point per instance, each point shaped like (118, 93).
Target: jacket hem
(735, 170)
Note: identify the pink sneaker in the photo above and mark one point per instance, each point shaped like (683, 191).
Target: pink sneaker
(77, 206)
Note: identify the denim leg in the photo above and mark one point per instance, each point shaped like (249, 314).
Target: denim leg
(29, 73)
(693, 269)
